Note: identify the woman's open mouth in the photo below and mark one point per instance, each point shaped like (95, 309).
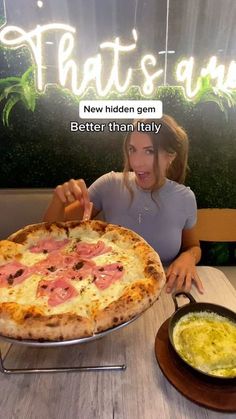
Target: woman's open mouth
(143, 177)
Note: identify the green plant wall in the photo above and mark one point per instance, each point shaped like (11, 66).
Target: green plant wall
(38, 149)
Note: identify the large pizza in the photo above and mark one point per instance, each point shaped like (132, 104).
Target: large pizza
(61, 281)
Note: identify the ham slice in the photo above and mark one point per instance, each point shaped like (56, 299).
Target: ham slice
(13, 273)
(104, 276)
(82, 269)
(55, 261)
(58, 291)
(91, 250)
(48, 245)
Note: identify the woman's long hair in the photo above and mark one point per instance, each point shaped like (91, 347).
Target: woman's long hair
(171, 138)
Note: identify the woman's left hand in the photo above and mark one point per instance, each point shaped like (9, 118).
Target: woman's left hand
(182, 273)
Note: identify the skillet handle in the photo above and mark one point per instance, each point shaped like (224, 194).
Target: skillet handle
(186, 294)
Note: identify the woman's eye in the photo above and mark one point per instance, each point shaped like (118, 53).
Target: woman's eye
(150, 151)
(130, 150)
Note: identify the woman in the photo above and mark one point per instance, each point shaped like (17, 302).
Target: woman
(148, 197)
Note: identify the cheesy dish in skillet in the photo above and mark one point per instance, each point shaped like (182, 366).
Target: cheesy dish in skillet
(207, 341)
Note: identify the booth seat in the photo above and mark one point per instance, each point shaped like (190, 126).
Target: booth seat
(218, 225)
(20, 207)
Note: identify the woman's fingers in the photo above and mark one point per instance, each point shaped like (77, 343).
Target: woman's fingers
(88, 212)
(181, 280)
(60, 193)
(85, 199)
(63, 193)
(73, 190)
(198, 283)
(171, 279)
(69, 192)
(188, 282)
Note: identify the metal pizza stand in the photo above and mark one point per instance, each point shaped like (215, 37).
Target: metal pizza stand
(53, 344)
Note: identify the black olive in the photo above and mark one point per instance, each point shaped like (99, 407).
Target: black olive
(78, 265)
(10, 279)
(18, 273)
(52, 268)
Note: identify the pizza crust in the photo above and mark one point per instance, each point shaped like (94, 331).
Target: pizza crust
(30, 323)
(25, 321)
(30, 233)
(134, 301)
(9, 251)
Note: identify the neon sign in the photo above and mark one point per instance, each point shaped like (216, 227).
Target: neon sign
(16, 37)
(216, 72)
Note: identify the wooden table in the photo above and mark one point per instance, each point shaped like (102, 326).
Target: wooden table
(140, 392)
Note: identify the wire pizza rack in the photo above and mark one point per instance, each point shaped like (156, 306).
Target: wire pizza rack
(47, 344)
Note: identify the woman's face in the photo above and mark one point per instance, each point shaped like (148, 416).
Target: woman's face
(141, 160)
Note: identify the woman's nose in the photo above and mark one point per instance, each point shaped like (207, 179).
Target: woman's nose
(141, 162)
(137, 159)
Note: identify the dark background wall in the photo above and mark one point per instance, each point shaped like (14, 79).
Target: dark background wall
(38, 149)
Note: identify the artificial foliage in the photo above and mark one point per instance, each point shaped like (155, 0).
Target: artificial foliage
(37, 148)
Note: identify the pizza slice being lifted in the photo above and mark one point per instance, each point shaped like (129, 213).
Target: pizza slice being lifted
(61, 281)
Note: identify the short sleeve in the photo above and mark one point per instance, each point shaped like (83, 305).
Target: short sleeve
(99, 190)
(191, 210)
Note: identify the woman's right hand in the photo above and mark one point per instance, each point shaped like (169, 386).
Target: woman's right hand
(75, 191)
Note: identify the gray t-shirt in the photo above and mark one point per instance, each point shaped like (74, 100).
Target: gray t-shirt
(159, 222)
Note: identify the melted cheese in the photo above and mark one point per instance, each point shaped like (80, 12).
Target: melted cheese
(207, 341)
(29, 259)
(25, 293)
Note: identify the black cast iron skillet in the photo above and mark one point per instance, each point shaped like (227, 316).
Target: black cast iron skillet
(194, 307)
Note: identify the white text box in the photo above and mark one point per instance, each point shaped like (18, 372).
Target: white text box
(120, 109)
